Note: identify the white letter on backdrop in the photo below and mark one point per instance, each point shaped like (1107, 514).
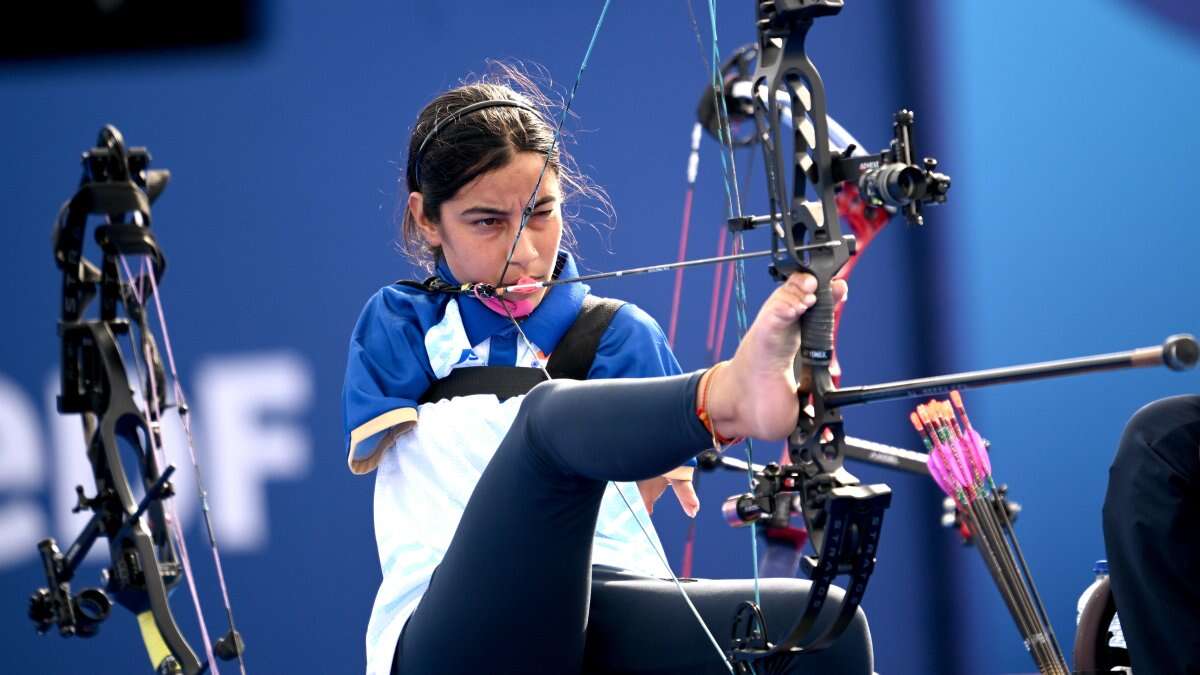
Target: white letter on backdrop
(252, 410)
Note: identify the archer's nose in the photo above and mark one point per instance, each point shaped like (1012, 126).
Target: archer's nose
(525, 251)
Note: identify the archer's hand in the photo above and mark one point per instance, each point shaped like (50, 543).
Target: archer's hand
(680, 481)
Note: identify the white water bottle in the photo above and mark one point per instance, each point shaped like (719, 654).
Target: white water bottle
(1116, 637)
(1100, 569)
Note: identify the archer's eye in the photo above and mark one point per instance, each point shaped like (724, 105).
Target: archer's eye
(486, 223)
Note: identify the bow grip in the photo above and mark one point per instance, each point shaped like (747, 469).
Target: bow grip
(816, 327)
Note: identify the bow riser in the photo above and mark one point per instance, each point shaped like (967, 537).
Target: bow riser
(786, 81)
(844, 519)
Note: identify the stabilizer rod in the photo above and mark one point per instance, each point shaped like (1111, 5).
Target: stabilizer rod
(1178, 352)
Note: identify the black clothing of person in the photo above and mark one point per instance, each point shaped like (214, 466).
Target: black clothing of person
(1152, 536)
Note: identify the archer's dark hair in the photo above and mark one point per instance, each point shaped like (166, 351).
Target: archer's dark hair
(483, 141)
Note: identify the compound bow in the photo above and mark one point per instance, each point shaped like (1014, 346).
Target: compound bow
(147, 555)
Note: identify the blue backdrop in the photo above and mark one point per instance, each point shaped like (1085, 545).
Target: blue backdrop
(1066, 133)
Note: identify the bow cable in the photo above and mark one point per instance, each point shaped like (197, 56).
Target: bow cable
(692, 169)
(739, 269)
(728, 166)
(717, 325)
(185, 420)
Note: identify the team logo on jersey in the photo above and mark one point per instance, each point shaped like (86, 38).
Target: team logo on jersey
(468, 357)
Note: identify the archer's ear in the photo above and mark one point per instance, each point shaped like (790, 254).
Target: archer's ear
(428, 230)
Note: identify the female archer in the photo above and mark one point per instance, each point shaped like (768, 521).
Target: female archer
(510, 533)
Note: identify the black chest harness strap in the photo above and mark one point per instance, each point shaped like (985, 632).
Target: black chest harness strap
(571, 359)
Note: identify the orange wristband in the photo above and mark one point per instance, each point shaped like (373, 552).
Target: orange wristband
(702, 407)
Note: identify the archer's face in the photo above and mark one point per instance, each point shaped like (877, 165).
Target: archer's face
(478, 224)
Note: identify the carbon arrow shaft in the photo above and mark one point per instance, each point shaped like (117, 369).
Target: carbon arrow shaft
(518, 288)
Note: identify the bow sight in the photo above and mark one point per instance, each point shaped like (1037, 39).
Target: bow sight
(891, 178)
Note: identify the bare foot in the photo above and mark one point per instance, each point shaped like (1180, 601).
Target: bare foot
(755, 395)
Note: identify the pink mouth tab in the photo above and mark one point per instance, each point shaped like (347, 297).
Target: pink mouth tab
(517, 308)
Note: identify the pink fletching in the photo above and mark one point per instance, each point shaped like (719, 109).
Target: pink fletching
(938, 471)
(981, 452)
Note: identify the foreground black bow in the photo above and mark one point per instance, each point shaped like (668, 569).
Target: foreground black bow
(144, 558)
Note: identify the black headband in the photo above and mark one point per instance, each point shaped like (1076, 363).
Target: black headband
(454, 117)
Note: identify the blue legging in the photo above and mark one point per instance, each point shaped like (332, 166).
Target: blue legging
(516, 591)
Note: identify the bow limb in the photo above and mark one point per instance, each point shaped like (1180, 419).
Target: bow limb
(865, 221)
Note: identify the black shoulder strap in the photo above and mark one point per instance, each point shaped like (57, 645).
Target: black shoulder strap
(503, 381)
(573, 356)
